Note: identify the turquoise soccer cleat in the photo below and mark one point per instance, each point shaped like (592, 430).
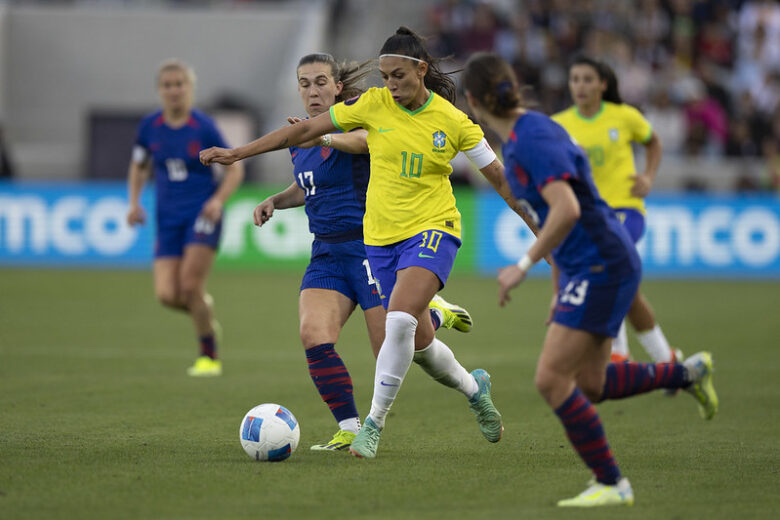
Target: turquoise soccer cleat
(481, 403)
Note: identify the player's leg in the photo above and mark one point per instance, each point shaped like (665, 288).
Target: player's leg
(322, 314)
(648, 332)
(375, 325)
(566, 351)
(195, 268)
(620, 350)
(166, 282)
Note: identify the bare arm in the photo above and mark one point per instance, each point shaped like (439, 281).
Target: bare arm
(350, 142)
(643, 183)
(282, 138)
(494, 173)
(137, 175)
(234, 176)
(563, 215)
(292, 197)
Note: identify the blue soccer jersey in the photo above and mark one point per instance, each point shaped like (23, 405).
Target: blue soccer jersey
(540, 151)
(335, 185)
(182, 183)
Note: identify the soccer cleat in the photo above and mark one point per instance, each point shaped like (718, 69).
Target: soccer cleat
(677, 357)
(205, 367)
(366, 442)
(700, 368)
(599, 494)
(340, 441)
(481, 404)
(453, 317)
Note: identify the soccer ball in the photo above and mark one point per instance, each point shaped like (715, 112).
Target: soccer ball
(269, 432)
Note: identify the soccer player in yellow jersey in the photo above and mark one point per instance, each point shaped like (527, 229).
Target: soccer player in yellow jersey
(411, 226)
(605, 127)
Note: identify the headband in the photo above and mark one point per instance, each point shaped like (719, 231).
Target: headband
(402, 56)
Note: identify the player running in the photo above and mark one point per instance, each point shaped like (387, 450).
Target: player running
(189, 204)
(331, 176)
(411, 226)
(596, 275)
(605, 128)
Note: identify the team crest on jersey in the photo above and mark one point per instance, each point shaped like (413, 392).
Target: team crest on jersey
(439, 139)
(613, 134)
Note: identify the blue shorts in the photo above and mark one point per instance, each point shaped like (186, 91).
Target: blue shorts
(432, 250)
(633, 221)
(594, 303)
(342, 267)
(174, 235)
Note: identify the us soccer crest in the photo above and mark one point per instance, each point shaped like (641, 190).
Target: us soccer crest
(439, 139)
(613, 134)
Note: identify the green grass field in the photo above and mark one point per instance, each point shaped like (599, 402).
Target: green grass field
(99, 420)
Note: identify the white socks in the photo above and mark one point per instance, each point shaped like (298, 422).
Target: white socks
(620, 343)
(439, 362)
(652, 340)
(394, 360)
(351, 425)
(655, 344)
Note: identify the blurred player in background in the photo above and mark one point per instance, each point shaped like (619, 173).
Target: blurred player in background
(605, 128)
(595, 278)
(411, 225)
(189, 204)
(331, 176)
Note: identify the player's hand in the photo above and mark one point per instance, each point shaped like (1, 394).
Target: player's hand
(553, 304)
(263, 212)
(508, 278)
(641, 186)
(136, 215)
(212, 210)
(215, 154)
(308, 144)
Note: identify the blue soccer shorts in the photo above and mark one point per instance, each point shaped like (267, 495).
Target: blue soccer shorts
(173, 235)
(633, 221)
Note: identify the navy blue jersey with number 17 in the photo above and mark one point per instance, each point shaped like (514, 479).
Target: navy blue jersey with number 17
(335, 185)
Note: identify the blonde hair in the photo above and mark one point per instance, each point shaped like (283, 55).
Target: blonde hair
(175, 64)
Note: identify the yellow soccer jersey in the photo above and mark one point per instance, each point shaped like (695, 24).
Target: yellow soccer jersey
(409, 190)
(607, 137)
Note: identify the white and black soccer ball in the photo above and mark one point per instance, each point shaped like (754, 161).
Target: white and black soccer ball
(269, 432)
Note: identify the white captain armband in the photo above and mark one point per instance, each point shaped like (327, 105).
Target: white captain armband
(481, 155)
(140, 154)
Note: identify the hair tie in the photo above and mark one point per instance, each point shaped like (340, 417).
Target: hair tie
(504, 88)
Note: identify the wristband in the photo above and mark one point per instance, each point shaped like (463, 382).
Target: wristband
(325, 140)
(525, 263)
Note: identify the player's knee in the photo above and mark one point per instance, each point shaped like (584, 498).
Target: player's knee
(168, 298)
(545, 382)
(592, 386)
(313, 335)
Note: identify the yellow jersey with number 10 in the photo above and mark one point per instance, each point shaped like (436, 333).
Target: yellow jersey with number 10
(409, 190)
(607, 137)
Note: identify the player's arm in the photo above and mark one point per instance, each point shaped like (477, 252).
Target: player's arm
(137, 175)
(355, 141)
(653, 151)
(494, 173)
(282, 138)
(561, 218)
(234, 176)
(292, 197)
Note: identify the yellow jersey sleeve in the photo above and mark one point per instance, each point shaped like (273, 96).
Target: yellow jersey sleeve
(354, 112)
(639, 127)
(470, 134)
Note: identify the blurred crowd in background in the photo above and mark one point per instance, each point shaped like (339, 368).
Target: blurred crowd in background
(706, 73)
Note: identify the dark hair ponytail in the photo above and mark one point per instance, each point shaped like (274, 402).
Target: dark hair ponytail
(493, 83)
(605, 73)
(350, 74)
(407, 43)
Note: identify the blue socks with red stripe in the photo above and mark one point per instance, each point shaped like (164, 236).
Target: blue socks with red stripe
(631, 378)
(584, 430)
(332, 380)
(208, 346)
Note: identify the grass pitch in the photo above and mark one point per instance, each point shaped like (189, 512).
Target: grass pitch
(99, 420)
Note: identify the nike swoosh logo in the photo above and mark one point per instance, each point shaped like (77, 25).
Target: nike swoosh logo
(386, 384)
(383, 130)
(423, 255)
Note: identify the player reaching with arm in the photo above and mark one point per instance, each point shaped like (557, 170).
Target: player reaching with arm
(331, 176)
(605, 127)
(599, 275)
(411, 226)
(189, 204)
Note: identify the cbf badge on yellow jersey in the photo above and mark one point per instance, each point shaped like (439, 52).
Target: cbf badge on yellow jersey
(439, 141)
